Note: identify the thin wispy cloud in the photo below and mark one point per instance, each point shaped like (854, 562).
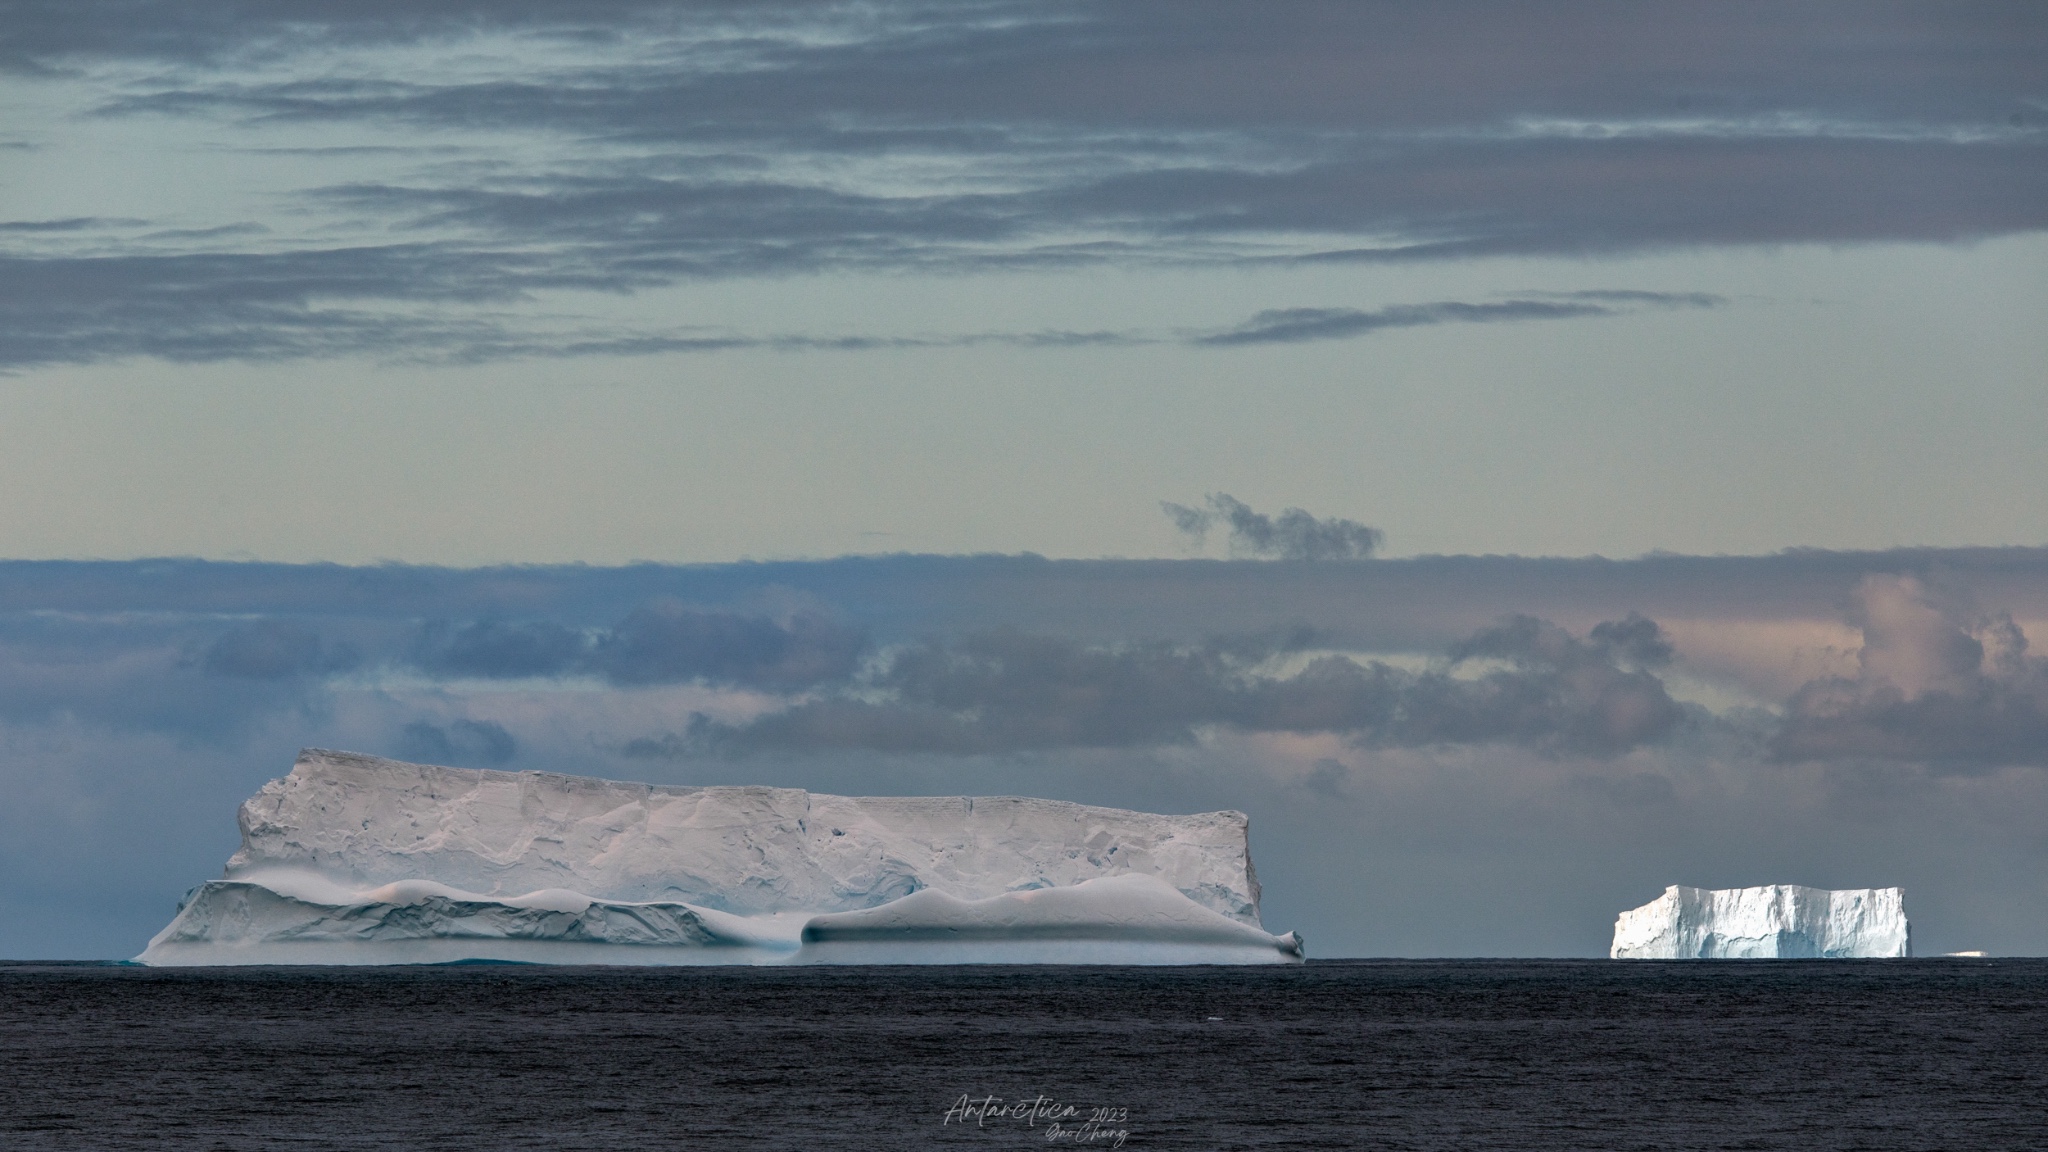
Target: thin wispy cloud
(346, 302)
(660, 144)
(1296, 325)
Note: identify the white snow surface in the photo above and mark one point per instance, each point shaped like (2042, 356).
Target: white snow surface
(358, 859)
(1774, 921)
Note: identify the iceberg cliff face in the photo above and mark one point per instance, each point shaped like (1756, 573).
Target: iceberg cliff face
(1784, 921)
(356, 859)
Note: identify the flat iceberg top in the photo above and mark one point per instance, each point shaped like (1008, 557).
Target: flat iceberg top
(363, 821)
(1784, 921)
(360, 860)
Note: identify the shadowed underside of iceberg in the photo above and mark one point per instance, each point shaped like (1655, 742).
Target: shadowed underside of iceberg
(359, 860)
(1775, 921)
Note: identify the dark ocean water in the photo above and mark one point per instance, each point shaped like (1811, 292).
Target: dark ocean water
(1925, 1054)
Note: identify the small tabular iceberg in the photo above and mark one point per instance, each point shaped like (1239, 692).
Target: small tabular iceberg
(1782, 921)
(360, 860)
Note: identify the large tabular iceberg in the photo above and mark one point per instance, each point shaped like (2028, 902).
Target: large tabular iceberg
(1783, 921)
(360, 860)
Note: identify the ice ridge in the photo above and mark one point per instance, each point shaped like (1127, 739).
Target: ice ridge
(1774, 921)
(359, 859)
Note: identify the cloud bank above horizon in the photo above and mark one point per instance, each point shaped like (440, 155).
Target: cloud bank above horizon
(1575, 732)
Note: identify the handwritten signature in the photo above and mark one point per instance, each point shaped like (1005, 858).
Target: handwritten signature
(1064, 1123)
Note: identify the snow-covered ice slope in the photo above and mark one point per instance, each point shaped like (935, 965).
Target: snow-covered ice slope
(357, 859)
(1774, 921)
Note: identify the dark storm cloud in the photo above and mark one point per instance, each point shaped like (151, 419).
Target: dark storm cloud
(1006, 692)
(1292, 535)
(668, 142)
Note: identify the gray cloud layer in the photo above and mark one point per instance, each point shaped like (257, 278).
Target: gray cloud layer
(977, 655)
(200, 309)
(1294, 325)
(663, 643)
(1007, 692)
(1416, 722)
(668, 142)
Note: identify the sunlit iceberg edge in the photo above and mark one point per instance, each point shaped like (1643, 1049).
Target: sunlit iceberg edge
(302, 918)
(1767, 922)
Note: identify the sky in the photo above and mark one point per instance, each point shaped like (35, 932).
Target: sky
(1523, 456)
